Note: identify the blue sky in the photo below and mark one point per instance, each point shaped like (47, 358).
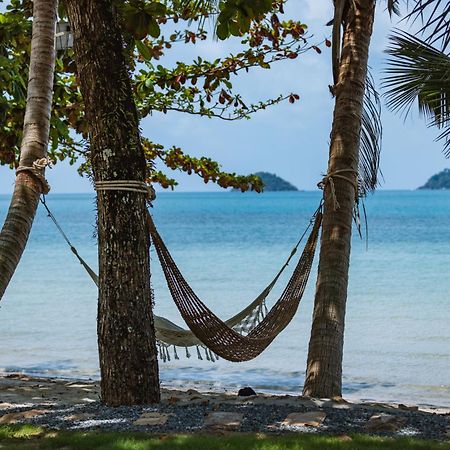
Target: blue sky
(289, 140)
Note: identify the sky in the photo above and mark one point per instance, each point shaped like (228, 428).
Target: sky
(289, 140)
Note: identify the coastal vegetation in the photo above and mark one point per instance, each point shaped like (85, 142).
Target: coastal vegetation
(440, 180)
(111, 122)
(273, 182)
(105, 86)
(354, 156)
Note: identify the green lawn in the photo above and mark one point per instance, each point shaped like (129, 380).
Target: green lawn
(28, 437)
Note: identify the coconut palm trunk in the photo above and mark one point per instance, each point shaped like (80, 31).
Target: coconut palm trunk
(324, 366)
(28, 187)
(126, 335)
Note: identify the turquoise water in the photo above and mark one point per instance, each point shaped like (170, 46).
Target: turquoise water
(229, 246)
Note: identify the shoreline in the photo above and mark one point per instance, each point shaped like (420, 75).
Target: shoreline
(205, 387)
(58, 403)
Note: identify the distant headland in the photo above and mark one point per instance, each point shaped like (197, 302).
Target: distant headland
(273, 182)
(439, 181)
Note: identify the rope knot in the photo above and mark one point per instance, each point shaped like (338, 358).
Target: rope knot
(42, 163)
(37, 170)
(328, 179)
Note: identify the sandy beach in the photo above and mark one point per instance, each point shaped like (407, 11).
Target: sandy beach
(75, 404)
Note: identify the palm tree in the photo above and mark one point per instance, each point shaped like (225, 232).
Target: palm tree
(126, 334)
(350, 56)
(417, 72)
(30, 182)
(353, 160)
(324, 368)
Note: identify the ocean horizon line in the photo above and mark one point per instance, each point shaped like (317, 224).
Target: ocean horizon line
(300, 191)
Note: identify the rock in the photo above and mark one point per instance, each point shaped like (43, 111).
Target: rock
(339, 399)
(19, 416)
(384, 422)
(408, 408)
(246, 392)
(18, 376)
(192, 392)
(79, 417)
(152, 419)
(308, 419)
(223, 420)
(5, 405)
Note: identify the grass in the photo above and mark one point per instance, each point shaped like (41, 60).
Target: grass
(20, 437)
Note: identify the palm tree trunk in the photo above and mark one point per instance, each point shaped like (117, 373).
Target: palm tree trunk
(126, 335)
(25, 198)
(324, 367)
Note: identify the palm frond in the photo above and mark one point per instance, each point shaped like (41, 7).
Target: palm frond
(435, 18)
(392, 6)
(418, 72)
(370, 140)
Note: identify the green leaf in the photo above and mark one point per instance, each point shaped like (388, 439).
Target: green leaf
(155, 9)
(234, 28)
(153, 28)
(62, 14)
(143, 50)
(222, 31)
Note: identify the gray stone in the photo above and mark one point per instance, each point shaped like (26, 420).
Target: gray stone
(384, 422)
(307, 419)
(20, 416)
(223, 420)
(152, 419)
(408, 408)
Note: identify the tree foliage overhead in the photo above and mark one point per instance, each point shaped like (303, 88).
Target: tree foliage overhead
(199, 87)
(434, 17)
(418, 68)
(419, 73)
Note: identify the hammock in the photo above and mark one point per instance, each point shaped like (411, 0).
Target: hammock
(216, 334)
(255, 325)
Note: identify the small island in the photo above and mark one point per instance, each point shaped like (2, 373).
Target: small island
(439, 181)
(274, 183)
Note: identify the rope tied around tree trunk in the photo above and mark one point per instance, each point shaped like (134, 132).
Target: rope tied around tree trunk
(328, 180)
(127, 185)
(37, 170)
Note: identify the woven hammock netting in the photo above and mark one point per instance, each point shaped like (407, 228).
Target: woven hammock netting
(216, 334)
(240, 338)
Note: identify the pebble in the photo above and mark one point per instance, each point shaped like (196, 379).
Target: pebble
(246, 392)
(181, 413)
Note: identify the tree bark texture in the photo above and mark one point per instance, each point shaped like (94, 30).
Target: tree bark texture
(25, 198)
(324, 366)
(126, 335)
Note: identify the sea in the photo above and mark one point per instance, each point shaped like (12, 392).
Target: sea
(229, 246)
